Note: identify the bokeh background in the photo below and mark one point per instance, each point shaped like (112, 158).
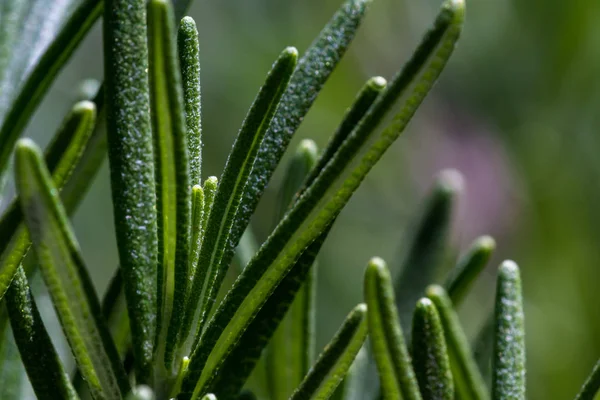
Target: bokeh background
(516, 112)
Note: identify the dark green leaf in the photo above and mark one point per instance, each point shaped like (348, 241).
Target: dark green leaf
(132, 168)
(427, 245)
(468, 268)
(508, 363)
(211, 266)
(591, 386)
(189, 60)
(468, 382)
(333, 364)
(430, 355)
(243, 357)
(387, 341)
(66, 278)
(45, 370)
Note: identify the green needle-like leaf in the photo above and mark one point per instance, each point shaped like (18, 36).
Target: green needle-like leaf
(229, 378)
(468, 268)
(364, 100)
(189, 60)
(311, 74)
(508, 363)
(173, 190)
(66, 278)
(132, 168)
(114, 310)
(197, 228)
(290, 353)
(427, 246)
(43, 74)
(335, 361)
(468, 382)
(430, 356)
(45, 370)
(324, 199)
(211, 267)
(387, 341)
(591, 386)
(210, 190)
(63, 154)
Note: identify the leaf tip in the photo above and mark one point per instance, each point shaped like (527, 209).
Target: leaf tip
(450, 182)
(377, 82)
(509, 270)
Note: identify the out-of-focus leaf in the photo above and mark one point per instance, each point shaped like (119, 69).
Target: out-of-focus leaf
(508, 362)
(468, 382)
(427, 246)
(40, 38)
(429, 353)
(290, 351)
(66, 278)
(335, 361)
(396, 374)
(45, 370)
(63, 155)
(468, 268)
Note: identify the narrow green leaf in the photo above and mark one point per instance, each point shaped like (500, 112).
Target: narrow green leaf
(63, 154)
(335, 360)
(508, 363)
(290, 352)
(114, 312)
(173, 190)
(326, 196)
(189, 60)
(468, 382)
(387, 341)
(430, 355)
(43, 74)
(210, 190)
(591, 385)
(65, 275)
(132, 168)
(228, 379)
(91, 160)
(197, 228)
(211, 266)
(427, 246)
(45, 370)
(468, 268)
(311, 74)
(364, 100)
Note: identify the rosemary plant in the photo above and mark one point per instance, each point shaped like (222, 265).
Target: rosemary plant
(159, 331)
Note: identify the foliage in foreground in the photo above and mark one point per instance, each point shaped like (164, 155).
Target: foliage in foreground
(161, 331)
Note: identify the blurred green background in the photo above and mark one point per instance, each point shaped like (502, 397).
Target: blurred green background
(516, 112)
